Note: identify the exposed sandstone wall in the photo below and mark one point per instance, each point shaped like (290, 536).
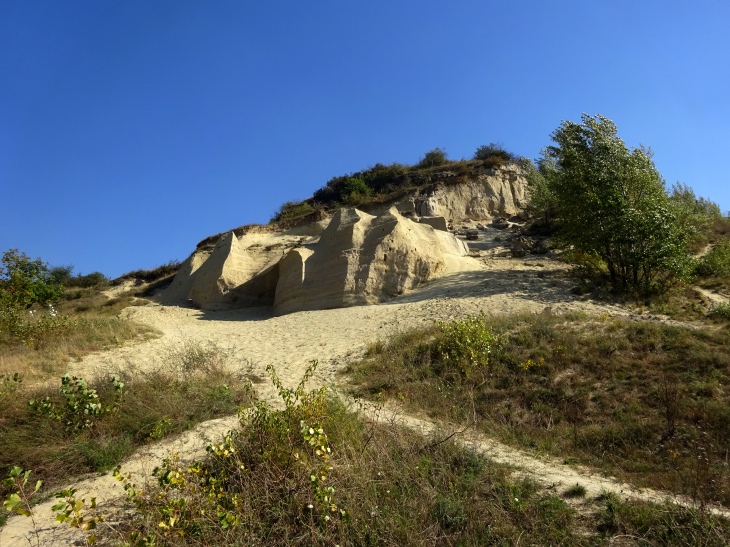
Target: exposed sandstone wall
(354, 258)
(494, 193)
(484, 194)
(238, 272)
(362, 259)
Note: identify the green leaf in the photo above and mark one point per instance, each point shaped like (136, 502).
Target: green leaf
(12, 501)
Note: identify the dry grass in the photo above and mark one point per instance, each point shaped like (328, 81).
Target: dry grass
(188, 387)
(390, 487)
(647, 402)
(39, 347)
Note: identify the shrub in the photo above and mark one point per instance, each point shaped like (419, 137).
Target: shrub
(493, 150)
(716, 263)
(613, 205)
(721, 311)
(384, 178)
(94, 279)
(466, 345)
(354, 191)
(292, 210)
(24, 282)
(433, 158)
(59, 275)
(148, 276)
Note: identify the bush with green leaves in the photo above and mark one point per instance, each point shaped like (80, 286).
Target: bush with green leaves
(24, 281)
(93, 279)
(715, 263)
(433, 158)
(466, 345)
(81, 405)
(493, 150)
(614, 208)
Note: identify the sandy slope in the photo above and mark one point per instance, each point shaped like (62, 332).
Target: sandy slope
(492, 284)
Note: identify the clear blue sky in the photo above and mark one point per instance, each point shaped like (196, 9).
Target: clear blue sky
(130, 130)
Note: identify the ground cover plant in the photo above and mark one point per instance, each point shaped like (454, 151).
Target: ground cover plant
(645, 401)
(313, 472)
(77, 426)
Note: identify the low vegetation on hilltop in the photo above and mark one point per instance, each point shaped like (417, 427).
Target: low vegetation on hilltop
(381, 182)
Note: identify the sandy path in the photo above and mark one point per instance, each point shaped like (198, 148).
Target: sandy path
(491, 284)
(549, 472)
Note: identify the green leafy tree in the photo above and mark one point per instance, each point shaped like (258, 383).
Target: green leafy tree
(613, 206)
(493, 150)
(60, 275)
(695, 214)
(24, 282)
(542, 201)
(433, 158)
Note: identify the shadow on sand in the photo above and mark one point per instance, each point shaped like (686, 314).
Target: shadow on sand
(530, 285)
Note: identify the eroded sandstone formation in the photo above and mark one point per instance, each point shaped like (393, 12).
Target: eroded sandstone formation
(357, 259)
(362, 259)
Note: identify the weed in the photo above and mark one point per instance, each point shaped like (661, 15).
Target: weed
(20, 496)
(82, 406)
(721, 311)
(77, 514)
(575, 491)
(9, 384)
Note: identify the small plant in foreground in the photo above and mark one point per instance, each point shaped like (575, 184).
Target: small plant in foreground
(18, 500)
(82, 404)
(76, 513)
(10, 383)
(467, 344)
(283, 448)
(575, 491)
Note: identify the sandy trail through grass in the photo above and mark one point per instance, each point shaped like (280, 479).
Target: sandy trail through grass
(255, 338)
